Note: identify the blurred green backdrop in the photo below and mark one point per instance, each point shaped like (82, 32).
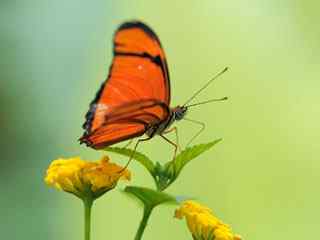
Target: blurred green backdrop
(262, 179)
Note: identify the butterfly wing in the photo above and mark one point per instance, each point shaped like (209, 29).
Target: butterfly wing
(137, 78)
(127, 121)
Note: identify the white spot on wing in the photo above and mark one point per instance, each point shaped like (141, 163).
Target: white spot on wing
(101, 108)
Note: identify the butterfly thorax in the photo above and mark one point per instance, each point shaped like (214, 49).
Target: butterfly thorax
(176, 114)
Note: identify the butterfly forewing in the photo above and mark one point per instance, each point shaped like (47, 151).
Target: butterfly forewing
(136, 93)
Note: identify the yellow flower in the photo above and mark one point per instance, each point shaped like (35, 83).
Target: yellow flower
(85, 179)
(203, 224)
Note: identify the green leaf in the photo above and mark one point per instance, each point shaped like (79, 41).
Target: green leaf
(164, 175)
(138, 156)
(187, 155)
(150, 197)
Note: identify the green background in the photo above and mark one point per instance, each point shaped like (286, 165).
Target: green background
(262, 178)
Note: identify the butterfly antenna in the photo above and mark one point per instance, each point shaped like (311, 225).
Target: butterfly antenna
(208, 101)
(205, 86)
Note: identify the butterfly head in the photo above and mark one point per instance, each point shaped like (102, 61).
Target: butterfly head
(179, 112)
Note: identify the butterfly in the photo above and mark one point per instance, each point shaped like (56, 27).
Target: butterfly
(135, 98)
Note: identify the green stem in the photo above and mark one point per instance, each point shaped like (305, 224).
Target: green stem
(87, 217)
(146, 214)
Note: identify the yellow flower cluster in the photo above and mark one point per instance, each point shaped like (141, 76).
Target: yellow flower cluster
(203, 224)
(83, 178)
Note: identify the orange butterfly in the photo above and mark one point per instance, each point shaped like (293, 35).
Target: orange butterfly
(135, 98)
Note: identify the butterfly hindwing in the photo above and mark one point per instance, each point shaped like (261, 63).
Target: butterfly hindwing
(127, 121)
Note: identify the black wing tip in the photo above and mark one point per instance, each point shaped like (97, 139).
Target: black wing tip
(92, 109)
(86, 126)
(138, 24)
(84, 140)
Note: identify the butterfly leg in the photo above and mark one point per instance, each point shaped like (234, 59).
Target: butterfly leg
(134, 150)
(173, 144)
(128, 143)
(202, 127)
(175, 130)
